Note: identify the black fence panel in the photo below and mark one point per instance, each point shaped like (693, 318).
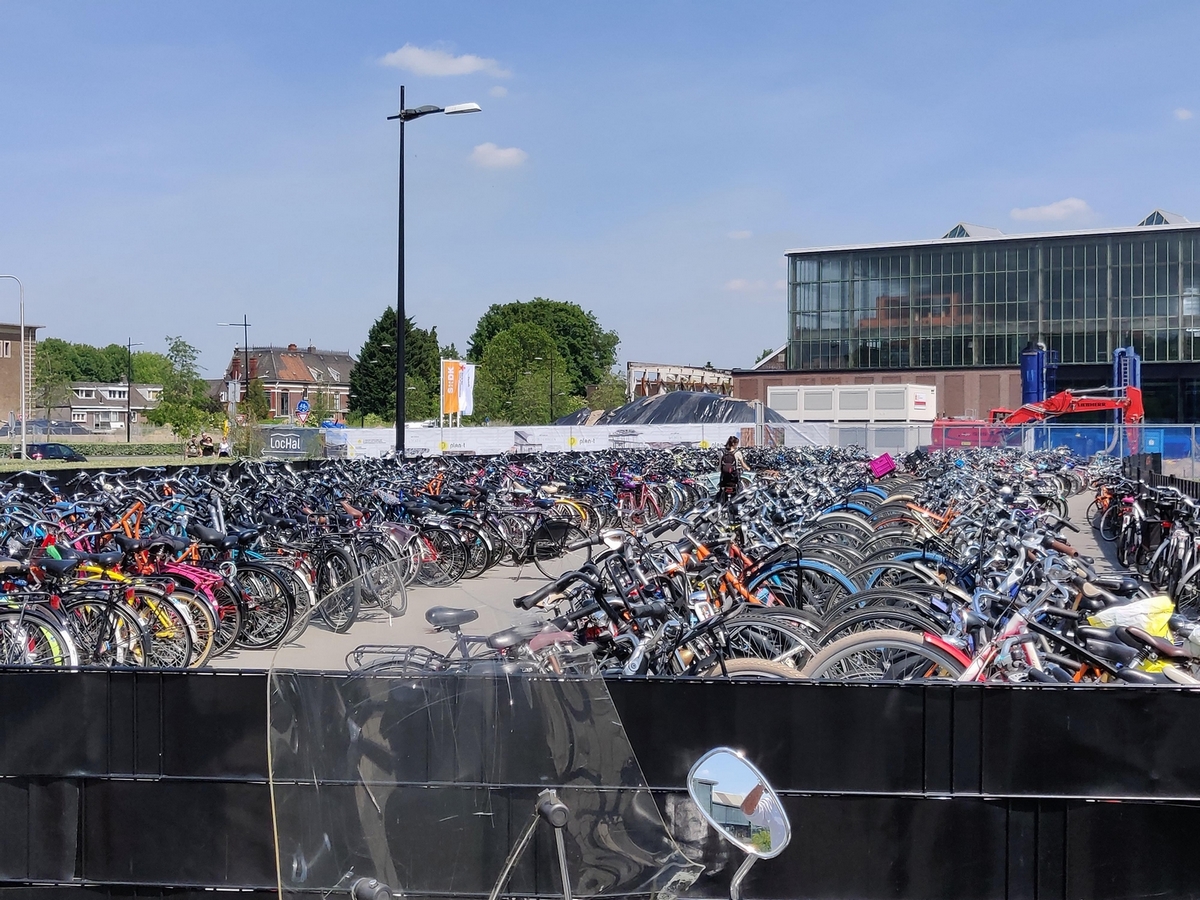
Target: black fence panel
(154, 784)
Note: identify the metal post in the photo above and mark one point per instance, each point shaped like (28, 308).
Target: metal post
(400, 360)
(22, 343)
(246, 353)
(551, 389)
(128, 389)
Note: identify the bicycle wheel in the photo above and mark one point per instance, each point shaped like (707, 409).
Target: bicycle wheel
(741, 669)
(383, 579)
(167, 627)
(229, 617)
(107, 634)
(550, 552)
(339, 591)
(768, 638)
(443, 558)
(268, 607)
(204, 625)
(877, 618)
(1110, 522)
(883, 655)
(28, 639)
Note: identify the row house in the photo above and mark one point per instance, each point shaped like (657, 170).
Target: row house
(291, 374)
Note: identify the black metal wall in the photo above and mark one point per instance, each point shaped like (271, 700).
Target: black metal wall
(154, 784)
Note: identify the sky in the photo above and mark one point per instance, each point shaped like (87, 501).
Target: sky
(168, 166)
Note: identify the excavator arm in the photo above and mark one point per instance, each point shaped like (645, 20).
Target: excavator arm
(1066, 403)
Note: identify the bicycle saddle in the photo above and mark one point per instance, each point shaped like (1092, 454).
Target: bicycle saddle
(1137, 638)
(511, 637)
(1122, 585)
(8, 565)
(128, 544)
(57, 567)
(214, 538)
(177, 544)
(105, 560)
(441, 617)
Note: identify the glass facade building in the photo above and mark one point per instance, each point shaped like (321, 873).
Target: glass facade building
(965, 301)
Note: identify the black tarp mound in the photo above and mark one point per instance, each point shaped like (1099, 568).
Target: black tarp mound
(676, 408)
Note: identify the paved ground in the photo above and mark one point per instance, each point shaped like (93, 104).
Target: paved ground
(492, 595)
(319, 648)
(1088, 540)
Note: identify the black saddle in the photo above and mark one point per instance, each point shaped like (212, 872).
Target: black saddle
(511, 637)
(445, 617)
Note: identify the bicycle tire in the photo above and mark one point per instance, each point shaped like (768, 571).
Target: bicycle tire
(1110, 522)
(28, 639)
(551, 556)
(167, 629)
(338, 589)
(740, 669)
(127, 645)
(383, 578)
(915, 658)
(268, 609)
(229, 617)
(750, 636)
(204, 625)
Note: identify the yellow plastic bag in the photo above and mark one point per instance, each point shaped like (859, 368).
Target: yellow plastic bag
(1151, 614)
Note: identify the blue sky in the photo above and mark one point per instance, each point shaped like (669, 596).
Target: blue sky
(164, 167)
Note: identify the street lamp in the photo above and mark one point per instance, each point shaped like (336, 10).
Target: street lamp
(22, 287)
(245, 326)
(407, 115)
(129, 345)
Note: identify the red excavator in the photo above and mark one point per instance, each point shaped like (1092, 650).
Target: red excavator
(949, 433)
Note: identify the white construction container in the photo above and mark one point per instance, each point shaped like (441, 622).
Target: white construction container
(867, 403)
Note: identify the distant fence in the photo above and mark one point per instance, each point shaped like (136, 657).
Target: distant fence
(1175, 444)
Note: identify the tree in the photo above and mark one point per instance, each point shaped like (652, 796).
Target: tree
(51, 386)
(513, 380)
(185, 404)
(255, 405)
(320, 406)
(587, 349)
(451, 352)
(107, 365)
(373, 378)
(609, 393)
(768, 352)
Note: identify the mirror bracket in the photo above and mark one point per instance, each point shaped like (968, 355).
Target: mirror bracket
(550, 809)
(735, 886)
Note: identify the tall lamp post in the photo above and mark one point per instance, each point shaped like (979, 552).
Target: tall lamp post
(245, 326)
(129, 345)
(22, 288)
(407, 115)
(551, 362)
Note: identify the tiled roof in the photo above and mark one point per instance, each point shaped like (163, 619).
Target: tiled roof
(295, 364)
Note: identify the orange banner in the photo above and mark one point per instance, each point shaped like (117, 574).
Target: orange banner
(451, 369)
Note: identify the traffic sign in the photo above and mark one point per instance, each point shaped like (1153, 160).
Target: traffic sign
(302, 409)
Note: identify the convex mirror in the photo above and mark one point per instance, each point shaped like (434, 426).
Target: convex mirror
(738, 801)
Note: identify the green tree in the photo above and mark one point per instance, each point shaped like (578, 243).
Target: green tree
(185, 404)
(512, 383)
(586, 348)
(51, 386)
(255, 405)
(320, 406)
(768, 352)
(150, 367)
(450, 352)
(609, 393)
(373, 378)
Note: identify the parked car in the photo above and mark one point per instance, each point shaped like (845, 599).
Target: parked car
(51, 451)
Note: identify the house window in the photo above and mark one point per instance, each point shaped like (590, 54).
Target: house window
(117, 395)
(85, 393)
(284, 403)
(335, 374)
(6, 349)
(78, 417)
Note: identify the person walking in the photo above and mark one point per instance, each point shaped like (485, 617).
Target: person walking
(729, 479)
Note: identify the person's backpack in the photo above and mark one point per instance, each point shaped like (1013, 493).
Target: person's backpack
(728, 467)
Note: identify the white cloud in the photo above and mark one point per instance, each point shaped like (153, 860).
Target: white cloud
(489, 156)
(1183, 114)
(422, 61)
(753, 285)
(740, 235)
(499, 91)
(1070, 208)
